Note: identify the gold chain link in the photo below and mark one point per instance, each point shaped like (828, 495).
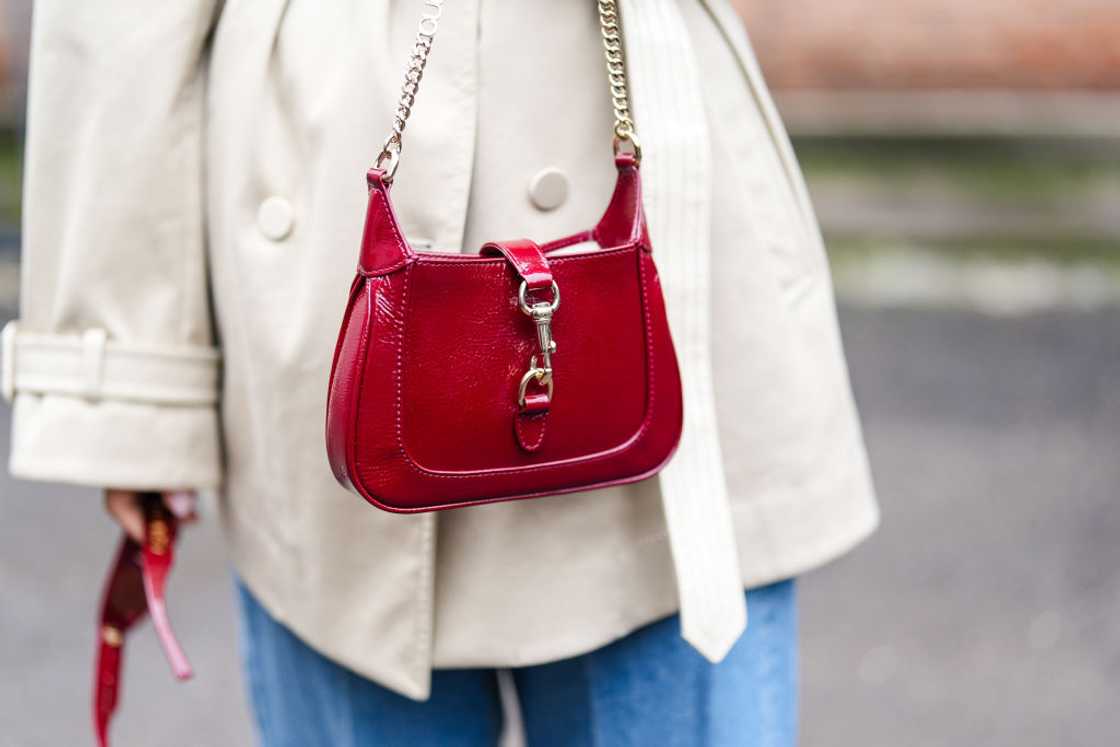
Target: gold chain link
(616, 68)
(616, 72)
(417, 61)
(429, 23)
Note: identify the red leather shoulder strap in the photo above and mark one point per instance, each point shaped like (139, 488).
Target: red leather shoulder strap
(526, 257)
(384, 248)
(624, 222)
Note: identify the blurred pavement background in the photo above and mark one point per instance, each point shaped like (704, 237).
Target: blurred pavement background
(965, 161)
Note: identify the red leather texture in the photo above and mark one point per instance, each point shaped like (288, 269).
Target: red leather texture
(527, 259)
(532, 421)
(135, 587)
(423, 406)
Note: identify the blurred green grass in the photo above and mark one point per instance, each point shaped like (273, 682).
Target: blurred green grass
(1062, 252)
(999, 199)
(987, 168)
(11, 176)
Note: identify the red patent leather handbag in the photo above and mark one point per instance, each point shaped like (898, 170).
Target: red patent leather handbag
(526, 370)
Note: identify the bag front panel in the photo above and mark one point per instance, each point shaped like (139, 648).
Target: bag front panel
(380, 468)
(424, 408)
(467, 346)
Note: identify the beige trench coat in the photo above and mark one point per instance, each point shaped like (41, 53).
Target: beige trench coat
(194, 198)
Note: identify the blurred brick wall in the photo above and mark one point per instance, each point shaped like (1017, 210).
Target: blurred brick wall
(929, 44)
(5, 48)
(15, 23)
(915, 52)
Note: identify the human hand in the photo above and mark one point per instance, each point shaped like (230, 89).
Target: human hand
(125, 508)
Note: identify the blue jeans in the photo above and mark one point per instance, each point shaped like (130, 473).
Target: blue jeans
(649, 688)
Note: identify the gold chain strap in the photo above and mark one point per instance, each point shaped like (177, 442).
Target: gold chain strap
(417, 61)
(616, 73)
(390, 155)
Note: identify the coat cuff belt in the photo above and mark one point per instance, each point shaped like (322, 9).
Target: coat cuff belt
(90, 366)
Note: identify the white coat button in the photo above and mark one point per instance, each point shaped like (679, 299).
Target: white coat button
(275, 217)
(549, 189)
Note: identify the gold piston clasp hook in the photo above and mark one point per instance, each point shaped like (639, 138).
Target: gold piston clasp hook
(541, 313)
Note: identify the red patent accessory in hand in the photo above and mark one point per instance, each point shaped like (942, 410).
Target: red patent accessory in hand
(135, 587)
(527, 370)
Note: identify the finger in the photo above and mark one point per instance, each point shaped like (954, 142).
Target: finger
(183, 505)
(124, 507)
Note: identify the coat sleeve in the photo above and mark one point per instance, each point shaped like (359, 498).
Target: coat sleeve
(112, 368)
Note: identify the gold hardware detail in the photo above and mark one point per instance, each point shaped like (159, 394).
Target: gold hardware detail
(543, 377)
(610, 29)
(390, 154)
(609, 26)
(159, 536)
(112, 636)
(541, 313)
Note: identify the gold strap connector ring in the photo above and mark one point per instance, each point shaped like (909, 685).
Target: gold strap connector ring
(635, 145)
(389, 158)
